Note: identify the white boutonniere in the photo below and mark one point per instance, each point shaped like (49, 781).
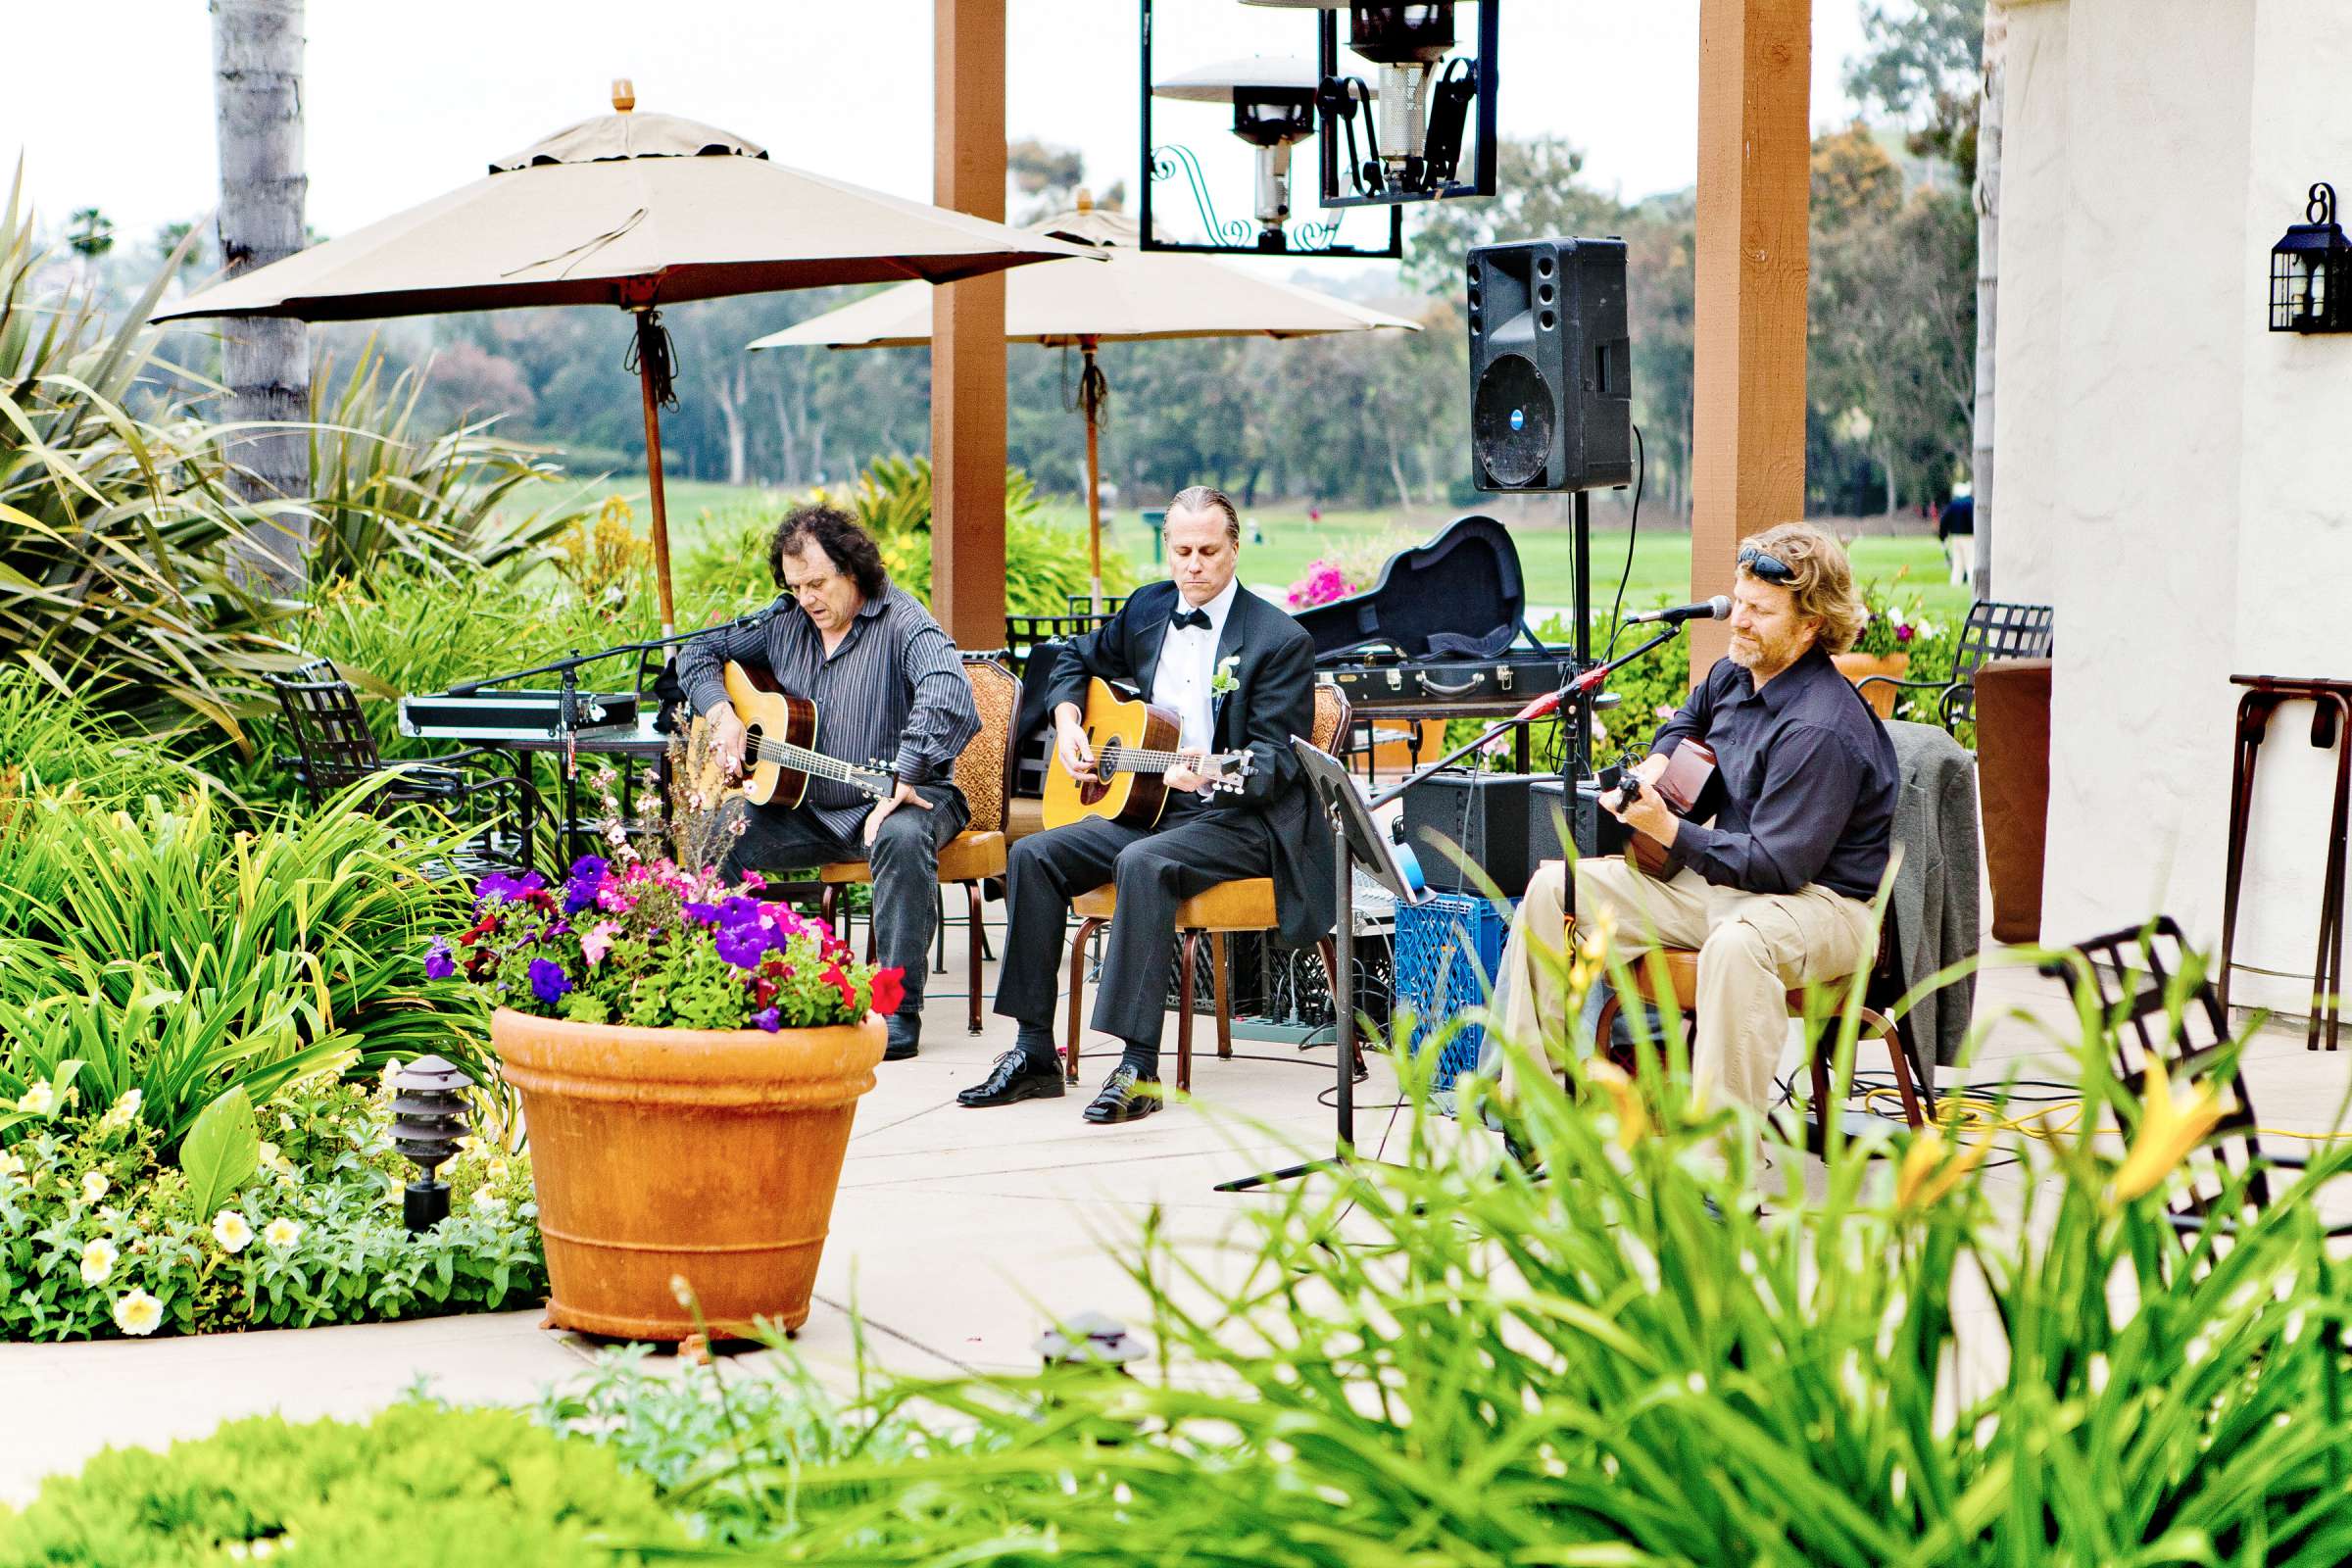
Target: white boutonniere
(1224, 681)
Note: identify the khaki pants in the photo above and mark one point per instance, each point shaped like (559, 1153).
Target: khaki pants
(1753, 948)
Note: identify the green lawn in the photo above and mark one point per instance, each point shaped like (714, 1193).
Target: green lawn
(1661, 561)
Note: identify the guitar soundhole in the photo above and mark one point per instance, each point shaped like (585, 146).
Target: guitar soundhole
(751, 743)
(1107, 765)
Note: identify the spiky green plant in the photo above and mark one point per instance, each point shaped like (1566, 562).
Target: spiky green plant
(389, 492)
(1631, 1360)
(169, 953)
(112, 523)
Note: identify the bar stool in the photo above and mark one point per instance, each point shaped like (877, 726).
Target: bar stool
(2329, 725)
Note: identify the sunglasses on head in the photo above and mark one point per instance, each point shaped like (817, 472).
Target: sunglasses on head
(1771, 569)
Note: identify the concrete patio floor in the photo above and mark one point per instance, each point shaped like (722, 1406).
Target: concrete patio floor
(957, 1236)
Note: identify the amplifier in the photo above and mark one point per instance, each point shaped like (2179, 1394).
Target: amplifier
(1594, 830)
(1486, 813)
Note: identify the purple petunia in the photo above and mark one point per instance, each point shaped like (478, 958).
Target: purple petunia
(703, 914)
(549, 982)
(770, 1019)
(1902, 633)
(581, 886)
(742, 945)
(500, 888)
(439, 963)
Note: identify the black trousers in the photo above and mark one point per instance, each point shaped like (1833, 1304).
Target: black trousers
(904, 857)
(1197, 847)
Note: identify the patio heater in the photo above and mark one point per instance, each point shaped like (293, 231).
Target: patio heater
(1405, 130)
(428, 1122)
(2311, 270)
(1273, 111)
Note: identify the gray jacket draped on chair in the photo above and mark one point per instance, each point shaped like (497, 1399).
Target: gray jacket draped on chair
(1934, 898)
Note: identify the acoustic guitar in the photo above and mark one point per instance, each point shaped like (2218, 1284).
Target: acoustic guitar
(1691, 789)
(1134, 745)
(779, 749)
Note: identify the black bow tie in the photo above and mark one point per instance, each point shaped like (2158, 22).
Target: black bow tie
(1189, 617)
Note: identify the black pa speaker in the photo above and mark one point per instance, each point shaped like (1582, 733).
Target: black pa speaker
(1486, 813)
(1552, 390)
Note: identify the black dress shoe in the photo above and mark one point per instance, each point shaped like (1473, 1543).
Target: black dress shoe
(1013, 1080)
(904, 1041)
(1125, 1096)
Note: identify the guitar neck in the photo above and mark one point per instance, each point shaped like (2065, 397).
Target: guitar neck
(1124, 761)
(800, 760)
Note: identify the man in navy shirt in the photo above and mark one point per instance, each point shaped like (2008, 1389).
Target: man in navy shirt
(1775, 892)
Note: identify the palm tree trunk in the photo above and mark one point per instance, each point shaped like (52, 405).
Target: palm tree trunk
(257, 108)
(1988, 254)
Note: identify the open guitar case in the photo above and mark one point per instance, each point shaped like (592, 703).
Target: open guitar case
(1459, 596)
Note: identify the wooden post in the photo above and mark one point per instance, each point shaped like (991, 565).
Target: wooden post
(967, 339)
(1755, 61)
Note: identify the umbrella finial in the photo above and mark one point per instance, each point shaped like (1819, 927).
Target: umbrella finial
(1086, 200)
(624, 94)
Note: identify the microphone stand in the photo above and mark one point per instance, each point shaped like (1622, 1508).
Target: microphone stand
(1350, 818)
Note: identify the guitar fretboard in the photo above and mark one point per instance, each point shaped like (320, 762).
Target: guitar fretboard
(800, 760)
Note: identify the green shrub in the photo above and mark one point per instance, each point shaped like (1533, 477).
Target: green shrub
(48, 740)
(100, 1237)
(416, 1485)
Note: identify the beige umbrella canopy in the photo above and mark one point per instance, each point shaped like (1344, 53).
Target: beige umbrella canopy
(1138, 296)
(637, 211)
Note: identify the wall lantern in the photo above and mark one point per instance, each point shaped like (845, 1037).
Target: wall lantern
(2310, 271)
(1396, 138)
(428, 1122)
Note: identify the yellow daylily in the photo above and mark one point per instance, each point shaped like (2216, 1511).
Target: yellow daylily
(1633, 1119)
(1927, 1176)
(2168, 1131)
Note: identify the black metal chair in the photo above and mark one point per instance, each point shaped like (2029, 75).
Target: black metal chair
(2156, 1000)
(1025, 633)
(1993, 631)
(334, 749)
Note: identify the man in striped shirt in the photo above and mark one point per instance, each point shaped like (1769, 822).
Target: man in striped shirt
(888, 686)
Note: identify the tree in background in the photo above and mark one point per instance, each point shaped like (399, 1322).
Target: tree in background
(1937, 65)
(89, 234)
(1919, 64)
(256, 107)
(1891, 329)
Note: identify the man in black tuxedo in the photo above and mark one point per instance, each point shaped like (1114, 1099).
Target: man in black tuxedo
(1242, 675)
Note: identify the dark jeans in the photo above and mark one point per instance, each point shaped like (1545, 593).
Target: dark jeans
(905, 864)
(1154, 871)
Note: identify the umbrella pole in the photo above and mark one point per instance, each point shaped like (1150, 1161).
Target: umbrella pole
(1094, 473)
(647, 358)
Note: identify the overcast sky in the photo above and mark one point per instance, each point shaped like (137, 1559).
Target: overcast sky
(111, 100)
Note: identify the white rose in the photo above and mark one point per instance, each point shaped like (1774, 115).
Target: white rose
(98, 1261)
(232, 1230)
(139, 1314)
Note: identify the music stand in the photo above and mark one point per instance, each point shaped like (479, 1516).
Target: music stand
(1359, 839)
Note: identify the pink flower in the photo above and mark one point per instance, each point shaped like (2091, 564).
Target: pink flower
(598, 942)
(612, 900)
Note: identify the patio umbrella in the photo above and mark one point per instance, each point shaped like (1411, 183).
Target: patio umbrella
(634, 210)
(1138, 296)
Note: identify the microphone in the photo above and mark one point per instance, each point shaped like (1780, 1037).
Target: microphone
(1718, 607)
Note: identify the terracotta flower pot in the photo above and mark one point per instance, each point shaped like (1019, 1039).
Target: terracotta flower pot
(711, 1154)
(1858, 668)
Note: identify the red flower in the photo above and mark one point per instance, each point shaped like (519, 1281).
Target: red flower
(763, 991)
(890, 989)
(841, 982)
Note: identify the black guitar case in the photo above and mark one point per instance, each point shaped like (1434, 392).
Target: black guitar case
(1459, 596)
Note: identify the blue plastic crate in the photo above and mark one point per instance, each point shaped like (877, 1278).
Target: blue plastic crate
(1448, 950)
